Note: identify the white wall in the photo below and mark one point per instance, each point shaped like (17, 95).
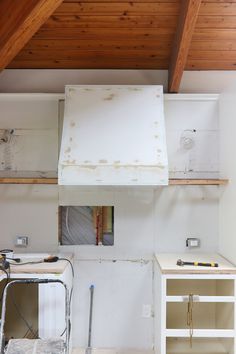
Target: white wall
(29, 210)
(120, 290)
(227, 209)
(46, 80)
(144, 222)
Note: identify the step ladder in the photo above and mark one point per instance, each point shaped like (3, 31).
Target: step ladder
(35, 346)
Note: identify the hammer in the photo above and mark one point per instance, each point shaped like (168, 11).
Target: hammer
(199, 264)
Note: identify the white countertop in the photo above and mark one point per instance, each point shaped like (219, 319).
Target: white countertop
(167, 263)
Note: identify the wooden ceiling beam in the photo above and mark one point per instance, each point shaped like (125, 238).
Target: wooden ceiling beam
(19, 20)
(186, 24)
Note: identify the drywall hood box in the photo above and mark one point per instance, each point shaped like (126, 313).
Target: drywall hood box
(113, 135)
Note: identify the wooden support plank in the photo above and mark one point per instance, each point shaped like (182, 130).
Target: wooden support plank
(6, 180)
(19, 21)
(187, 20)
(198, 182)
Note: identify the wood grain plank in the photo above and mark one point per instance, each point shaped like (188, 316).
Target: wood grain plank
(125, 1)
(74, 54)
(104, 34)
(209, 55)
(218, 8)
(187, 20)
(171, 181)
(93, 63)
(28, 180)
(20, 21)
(210, 65)
(213, 34)
(134, 21)
(215, 45)
(216, 22)
(119, 8)
(192, 182)
(124, 44)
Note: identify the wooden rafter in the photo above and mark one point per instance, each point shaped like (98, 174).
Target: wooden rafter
(19, 20)
(187, 20)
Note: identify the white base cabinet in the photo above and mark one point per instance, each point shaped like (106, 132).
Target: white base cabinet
(195, 312)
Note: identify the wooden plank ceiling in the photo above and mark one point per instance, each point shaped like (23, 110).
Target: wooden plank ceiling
(130, 34)
(137, 34)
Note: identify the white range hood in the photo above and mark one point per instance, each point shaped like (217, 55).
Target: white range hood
(113, 135)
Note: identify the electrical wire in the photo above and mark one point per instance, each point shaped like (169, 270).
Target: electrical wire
(71, 291)
(71, 265)
(25, 263)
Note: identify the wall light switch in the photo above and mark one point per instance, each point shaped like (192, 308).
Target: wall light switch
(21, 241)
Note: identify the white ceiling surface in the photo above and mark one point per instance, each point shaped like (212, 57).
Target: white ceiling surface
(14, 80)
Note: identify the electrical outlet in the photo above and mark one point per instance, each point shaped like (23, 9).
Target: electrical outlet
(147, 311)
(192, 242)
(21, 241)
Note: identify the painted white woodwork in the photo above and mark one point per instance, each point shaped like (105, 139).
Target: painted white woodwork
(113, 135)
(214, 304)
(168, 263)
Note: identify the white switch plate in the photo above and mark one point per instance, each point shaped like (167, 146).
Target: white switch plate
(146, 311)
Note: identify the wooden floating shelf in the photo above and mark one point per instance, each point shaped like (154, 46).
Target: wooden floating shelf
(198, 182)
(18, 180)
(172, 182)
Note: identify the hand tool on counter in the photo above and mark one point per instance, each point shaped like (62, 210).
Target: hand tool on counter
(197, 264)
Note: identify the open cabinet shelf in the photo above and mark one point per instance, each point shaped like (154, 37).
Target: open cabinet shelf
(172, 182)
(200, 346)
(207, 300)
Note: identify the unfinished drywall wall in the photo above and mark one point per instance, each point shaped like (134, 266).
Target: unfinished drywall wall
(227, 225)
(148, 221)
(29, 211)
(32, 150)
(145, 221)
(47, 80)
(121, 290)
